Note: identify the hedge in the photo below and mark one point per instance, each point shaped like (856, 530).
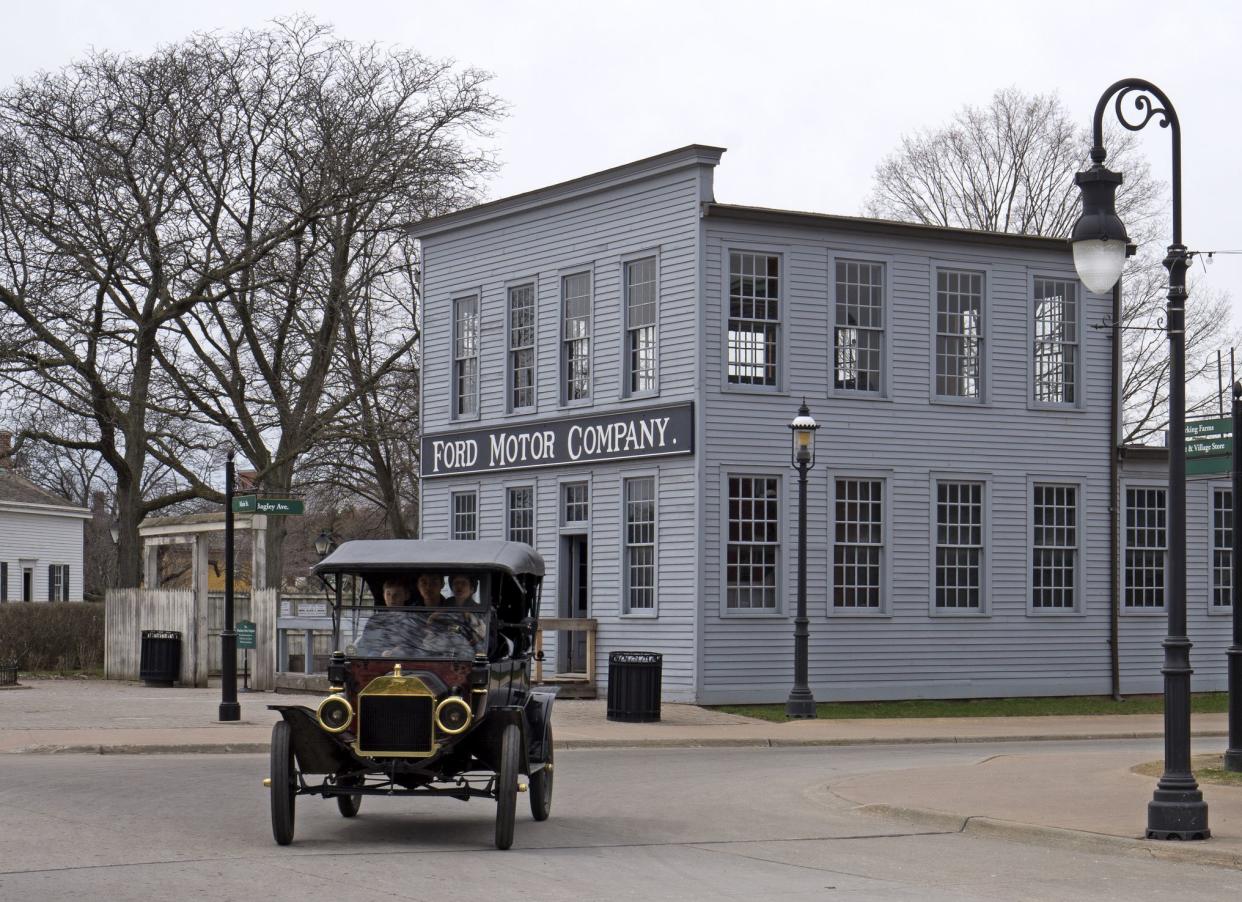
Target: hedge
(52, 636)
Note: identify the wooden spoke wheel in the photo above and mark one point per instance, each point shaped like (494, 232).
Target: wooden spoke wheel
(507, 784)
(541, 784)
(284, 784)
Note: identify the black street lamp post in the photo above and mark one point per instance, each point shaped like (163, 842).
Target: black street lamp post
(229, 708)
(1177, 809)
(801, 704)
(1233, 754)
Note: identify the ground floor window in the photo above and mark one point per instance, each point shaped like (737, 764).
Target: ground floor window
(1054, 557)
(1146, 547)
(465, 525)
(959, 546)
(640, 548)
(753, 551)
(575, 503)
(521, 514)
(1222, 548)
(858, 544)
(58, 582)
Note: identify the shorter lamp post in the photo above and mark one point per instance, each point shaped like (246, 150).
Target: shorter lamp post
(324, 543)
(1233, 754)
(801, 704)
(114, 530)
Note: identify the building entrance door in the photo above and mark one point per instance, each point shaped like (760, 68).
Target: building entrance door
(575, 601)
(27, 584)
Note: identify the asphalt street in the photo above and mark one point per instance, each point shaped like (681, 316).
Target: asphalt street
(650, 824)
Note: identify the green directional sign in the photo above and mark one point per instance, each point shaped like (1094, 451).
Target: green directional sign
(245, 634)
(252, 504)
(1209, 446)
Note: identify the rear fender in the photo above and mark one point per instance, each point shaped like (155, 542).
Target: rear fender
(317, 751)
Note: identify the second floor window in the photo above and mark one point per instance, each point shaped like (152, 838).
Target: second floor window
(858, 337)
(754, 319)
(1222, 548)
(465, 516)
(521, 347)
(1056, 342)
(576, 337)
(466, 357)
(640, 325)
(1146, 546)
(959, 334)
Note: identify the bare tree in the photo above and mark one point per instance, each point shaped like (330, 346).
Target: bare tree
(1009, 167)
(316, 333)
(116, 175)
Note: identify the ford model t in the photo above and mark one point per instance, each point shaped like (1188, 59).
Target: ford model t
(430, 684)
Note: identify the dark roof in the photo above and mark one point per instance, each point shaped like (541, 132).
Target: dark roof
(390, 554)
(884, 227)
(20, 490)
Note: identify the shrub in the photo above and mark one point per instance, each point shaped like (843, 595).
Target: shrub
(53, 636)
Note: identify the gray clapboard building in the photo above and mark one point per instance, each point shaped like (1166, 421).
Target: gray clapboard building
(610, 365)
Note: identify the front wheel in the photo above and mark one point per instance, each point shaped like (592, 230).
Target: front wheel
(348, 805)
(283, 783)
(541, 783)
(507, 784)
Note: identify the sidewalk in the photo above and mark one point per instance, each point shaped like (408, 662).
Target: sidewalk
(1044, 793)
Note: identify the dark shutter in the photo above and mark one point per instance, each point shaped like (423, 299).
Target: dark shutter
(51, 582)
(64, 582)
(4, 581)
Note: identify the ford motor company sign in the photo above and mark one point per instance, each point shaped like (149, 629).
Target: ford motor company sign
(586, 439)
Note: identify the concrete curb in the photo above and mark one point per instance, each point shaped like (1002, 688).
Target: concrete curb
(1059, 837)
(251, 748)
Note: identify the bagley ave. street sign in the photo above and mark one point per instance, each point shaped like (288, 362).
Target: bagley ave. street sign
(1209, 446)
(252, 504)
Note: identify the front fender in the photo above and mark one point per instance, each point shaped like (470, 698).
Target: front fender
(538, 719)
(316, 750)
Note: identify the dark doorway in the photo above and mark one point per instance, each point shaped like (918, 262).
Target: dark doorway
(27, 584)
(575, 602)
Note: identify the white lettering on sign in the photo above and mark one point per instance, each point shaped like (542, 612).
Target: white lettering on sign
(615, 438)
(454, 454)
(508, 449)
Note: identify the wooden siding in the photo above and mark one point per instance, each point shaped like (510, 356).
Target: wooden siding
(40, 539)
(909, 440)
(650, 214)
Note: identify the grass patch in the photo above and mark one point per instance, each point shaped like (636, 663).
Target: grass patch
(1207, 768)
(1071, 706)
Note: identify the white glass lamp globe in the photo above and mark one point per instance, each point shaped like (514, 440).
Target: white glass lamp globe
(1099, 263)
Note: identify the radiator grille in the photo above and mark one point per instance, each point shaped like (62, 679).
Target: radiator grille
(394, 723)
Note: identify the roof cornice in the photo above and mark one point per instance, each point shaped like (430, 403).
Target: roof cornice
(883, 227)
(58, 510)
(690, 155)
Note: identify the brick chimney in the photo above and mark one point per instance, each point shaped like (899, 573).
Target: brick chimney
(6, 445)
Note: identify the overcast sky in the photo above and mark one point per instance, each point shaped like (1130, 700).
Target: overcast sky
(807, 97)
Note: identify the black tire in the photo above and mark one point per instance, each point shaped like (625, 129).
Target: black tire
(348, 805)
(284, 784)
(541, 784)
(507, 784)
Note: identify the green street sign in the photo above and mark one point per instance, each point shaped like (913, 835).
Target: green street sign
(245, 634)
(1209, 446)
(252, 504)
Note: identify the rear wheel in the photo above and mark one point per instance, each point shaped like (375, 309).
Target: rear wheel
(541, 783)
(507, 783)
(283, 783)
(348, 805)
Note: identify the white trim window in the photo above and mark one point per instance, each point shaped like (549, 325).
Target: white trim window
(754, 319)
(1146, 548)
(1222, 549)
(640, 326)
(959, 546)
(521, 347)
(465, 515)
(520, 515)
(858, 544)
(1056, 342)
(466, 357)
(959, 334)
(640, 545)
(575, 503)
(858, 336)
(576, 337)
(1054, 555)
(752, 559)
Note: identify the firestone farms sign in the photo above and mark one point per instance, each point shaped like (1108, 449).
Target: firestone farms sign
(616, 436)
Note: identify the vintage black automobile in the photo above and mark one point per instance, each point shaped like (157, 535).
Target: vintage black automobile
(430, 683)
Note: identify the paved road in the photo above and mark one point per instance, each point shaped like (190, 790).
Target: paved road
(649, 824)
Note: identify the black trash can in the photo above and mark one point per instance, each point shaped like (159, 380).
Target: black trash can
(8, 673)
(160, 661)
(634, 686)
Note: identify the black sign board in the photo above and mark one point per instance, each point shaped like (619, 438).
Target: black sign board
(648, 432)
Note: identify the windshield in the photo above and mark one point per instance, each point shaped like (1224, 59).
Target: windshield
(416, 615)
